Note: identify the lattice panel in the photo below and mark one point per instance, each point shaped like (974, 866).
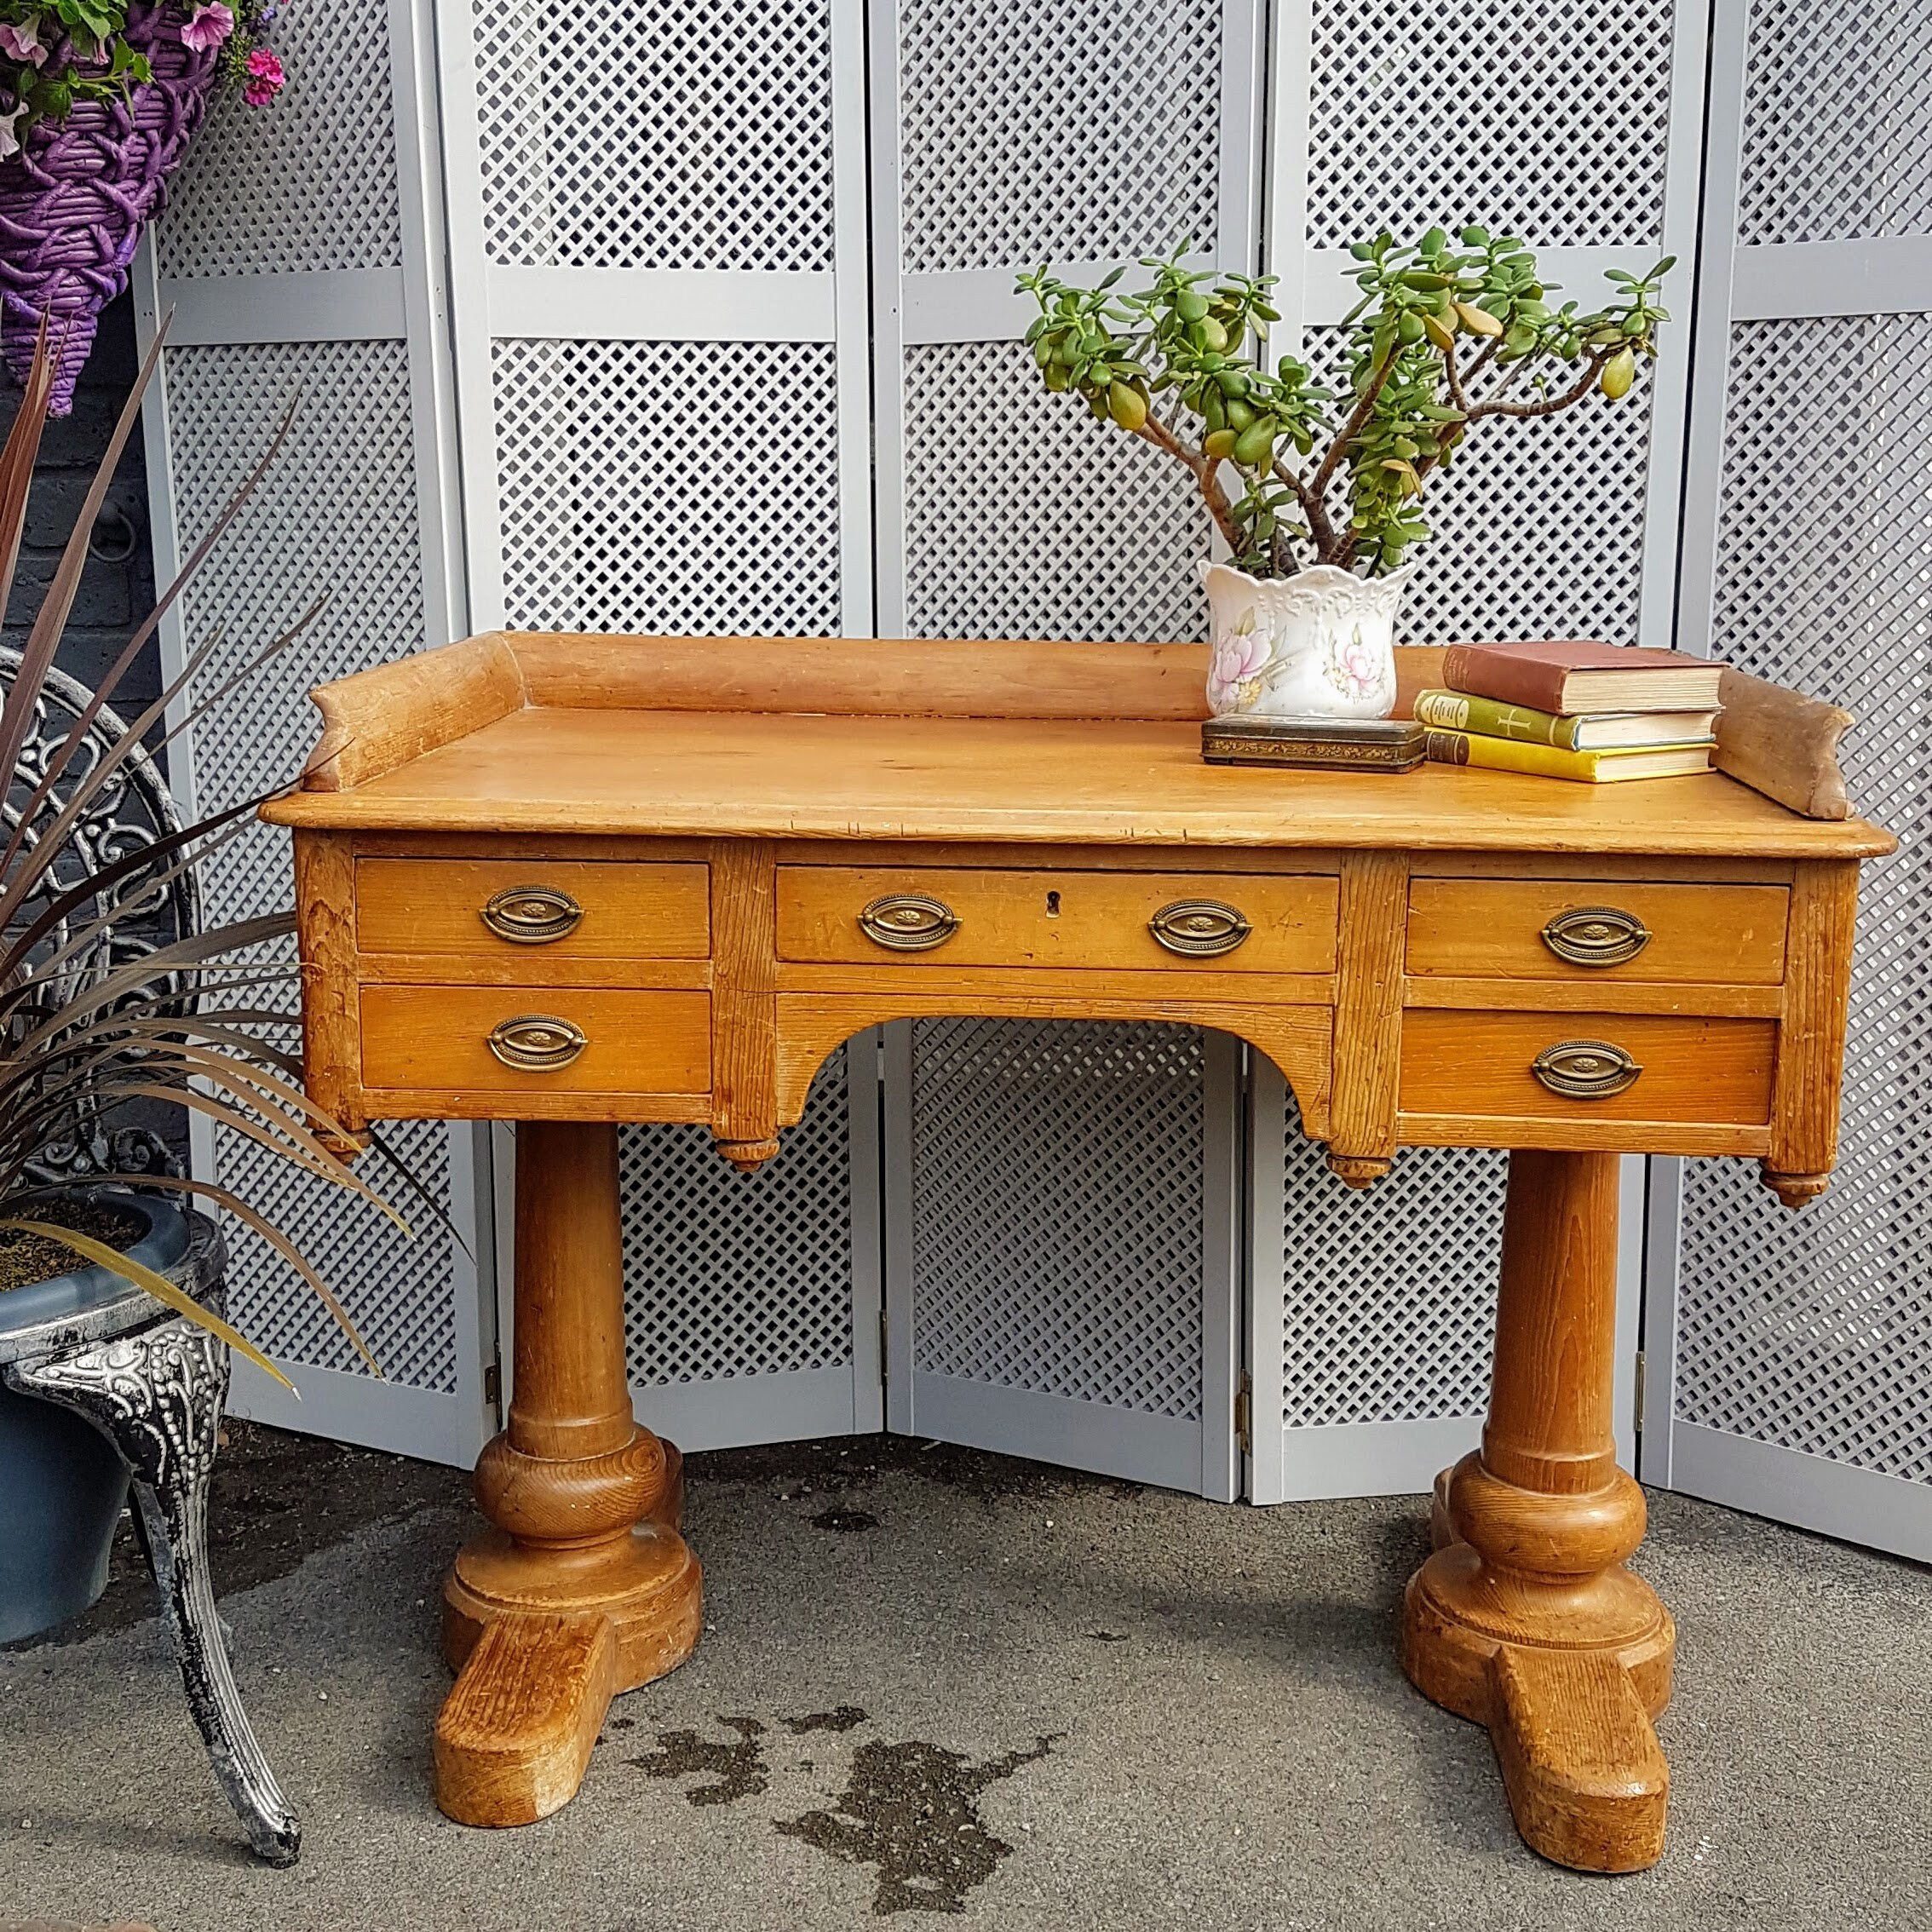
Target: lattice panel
(308, 183)
(1026, 518)
(681, 133)
(1853, 73)
(1814, 1331)
(1078, 130)
(669, 487)
(728, 1274)
(1538, 525)
(1058, 1209)
(336, 516)
(1549, 122)
(1390, 1296)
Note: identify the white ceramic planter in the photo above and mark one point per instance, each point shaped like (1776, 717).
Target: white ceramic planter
(1318, 644)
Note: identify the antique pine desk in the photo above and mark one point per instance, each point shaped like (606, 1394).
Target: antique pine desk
(572, 881)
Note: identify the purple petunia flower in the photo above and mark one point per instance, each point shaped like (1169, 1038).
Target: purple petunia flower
(23, 42)
(208, 27)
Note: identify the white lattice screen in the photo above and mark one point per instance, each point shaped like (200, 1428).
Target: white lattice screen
(1576, 130)
(1799, 1384)
(285, 258)
(1055, 1284)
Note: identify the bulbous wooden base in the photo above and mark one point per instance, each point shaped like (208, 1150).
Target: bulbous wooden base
(1525, 1618)
(583, 1586)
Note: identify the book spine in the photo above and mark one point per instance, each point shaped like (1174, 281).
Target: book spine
(1498, 674)
(1456, 711)
(1504, 755)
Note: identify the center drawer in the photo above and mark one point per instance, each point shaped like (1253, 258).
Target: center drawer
(837, 915)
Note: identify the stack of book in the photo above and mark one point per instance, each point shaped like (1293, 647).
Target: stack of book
(1596, 713)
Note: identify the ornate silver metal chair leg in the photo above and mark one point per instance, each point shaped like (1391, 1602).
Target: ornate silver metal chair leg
(158, 1393)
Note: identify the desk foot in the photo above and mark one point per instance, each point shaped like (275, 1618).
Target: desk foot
(1525, 1618)
(582, 1586)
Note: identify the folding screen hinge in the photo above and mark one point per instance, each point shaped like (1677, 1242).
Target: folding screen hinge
(1245, 1414)
(493, 1386)
(882, 1344)
(1636, 1421)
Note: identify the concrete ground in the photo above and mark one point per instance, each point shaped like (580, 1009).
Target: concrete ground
(934, 1682)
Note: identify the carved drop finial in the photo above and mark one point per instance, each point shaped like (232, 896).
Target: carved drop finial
(1794, 1190)
(747, 1156)
(1359, 1170)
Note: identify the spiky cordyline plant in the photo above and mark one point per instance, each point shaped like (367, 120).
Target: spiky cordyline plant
(1444, 338)
(190, 1022)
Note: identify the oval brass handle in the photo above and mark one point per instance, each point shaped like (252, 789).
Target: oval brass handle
(1597, 935)
(908, 921)
(537, 1042)
(1585, 1069)
(1198, 928)
(532, 915)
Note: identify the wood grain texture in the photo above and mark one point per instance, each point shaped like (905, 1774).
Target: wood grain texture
(1540, 1524)
(1368, 1015)
(1597, 994)
(1782, 744)
(1581, 1136)
(514, 1737)
(1051, 781)
(1058, 918)
(1808, 1090)
(744, 1114)
(1296, 1038)
(1477, 927)
(435, 905)
(331, 1024)
(1715, 1071)
(1586, 1778)
(581, 1587)
(384, 717)
(436, 1038)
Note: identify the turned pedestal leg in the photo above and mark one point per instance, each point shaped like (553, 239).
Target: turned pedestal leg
(583, 1587)
(1525, 1618)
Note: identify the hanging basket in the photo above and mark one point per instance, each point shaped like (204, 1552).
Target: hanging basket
(74, 200)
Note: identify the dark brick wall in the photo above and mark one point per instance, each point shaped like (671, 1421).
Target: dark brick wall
(117, 588)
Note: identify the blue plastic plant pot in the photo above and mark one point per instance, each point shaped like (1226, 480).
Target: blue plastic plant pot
(62, 1483)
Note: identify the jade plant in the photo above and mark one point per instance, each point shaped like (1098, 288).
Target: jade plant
(1448, 334)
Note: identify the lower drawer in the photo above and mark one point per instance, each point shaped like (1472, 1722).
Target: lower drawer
(1578, 1067)
(513, 1040)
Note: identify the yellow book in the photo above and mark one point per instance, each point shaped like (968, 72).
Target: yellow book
(1549, 761)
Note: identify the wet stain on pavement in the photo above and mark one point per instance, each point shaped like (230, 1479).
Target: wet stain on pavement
(846, 1717)
(737, 1770)
(910, 1809)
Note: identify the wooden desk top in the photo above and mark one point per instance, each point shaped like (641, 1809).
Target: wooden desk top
(487, 736)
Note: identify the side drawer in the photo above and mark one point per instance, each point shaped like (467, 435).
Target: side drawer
(598, 1040)
(541, 908)
(1706, 1072)
(1596, 929)
(1069, 919)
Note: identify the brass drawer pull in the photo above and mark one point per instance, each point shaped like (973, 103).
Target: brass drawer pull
(909, 922)
(533, 915)
(1585, 1069)
(1198, 928)
(1597, 935)
(537, 1042)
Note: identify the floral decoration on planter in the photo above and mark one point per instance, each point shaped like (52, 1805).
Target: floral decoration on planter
(1320, 496)
(98, 100)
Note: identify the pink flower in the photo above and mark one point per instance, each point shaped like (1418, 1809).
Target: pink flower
(23, 42)
(265, 78)
(208, 27)
(1238, 657)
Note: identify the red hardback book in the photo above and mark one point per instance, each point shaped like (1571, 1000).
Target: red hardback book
(1570, 677)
